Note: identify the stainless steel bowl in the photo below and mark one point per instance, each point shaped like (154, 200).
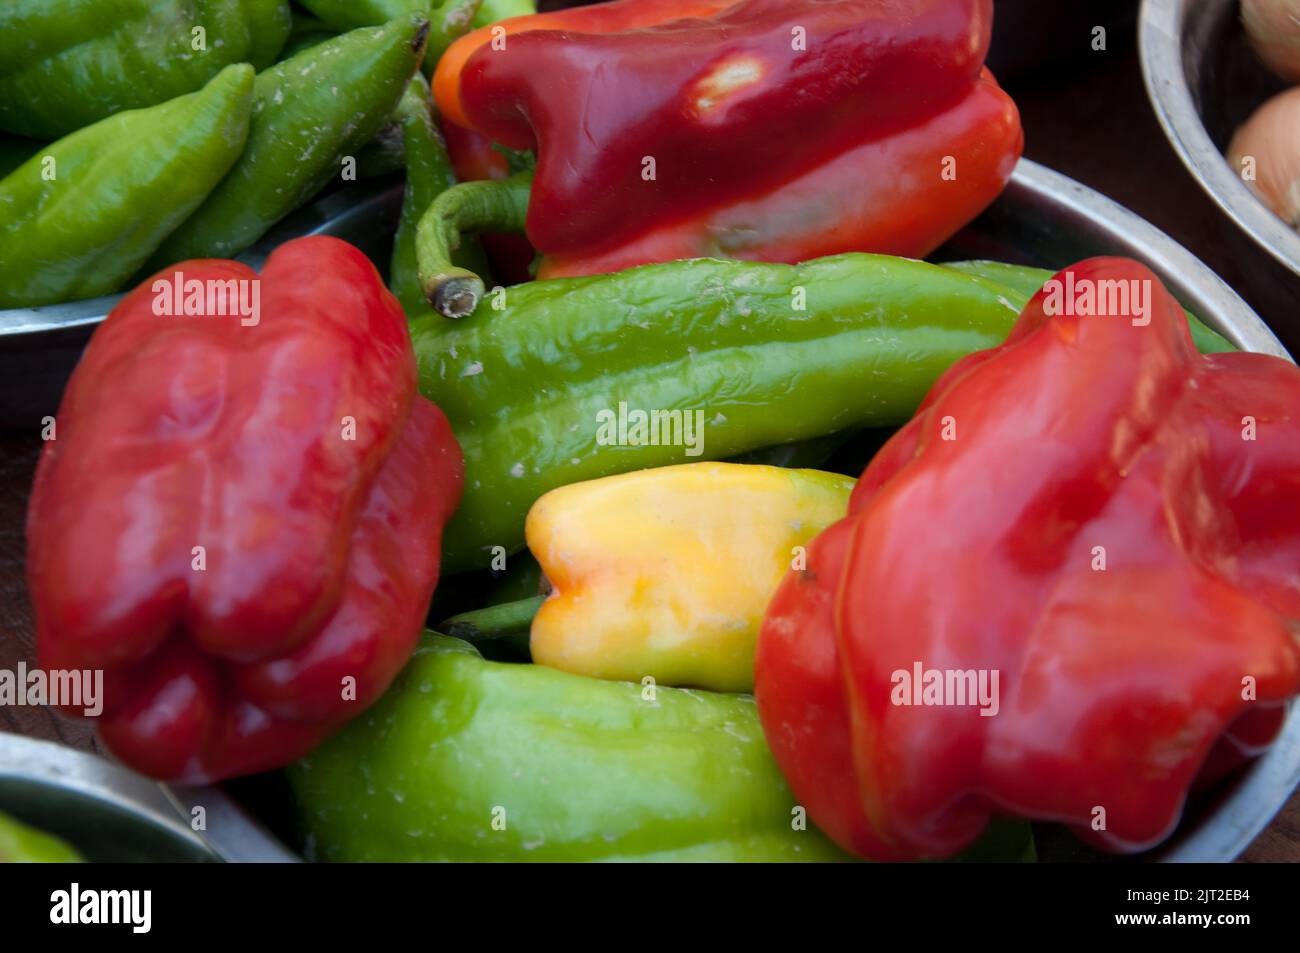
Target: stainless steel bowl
(1042, 219)
(1204, 82)
(110, 814)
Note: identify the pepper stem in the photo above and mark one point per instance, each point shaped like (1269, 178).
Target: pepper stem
(496, 205)
(494, 622)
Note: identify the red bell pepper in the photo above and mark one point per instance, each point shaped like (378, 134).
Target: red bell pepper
(1097, 514)
(238, 519)
(778, 130)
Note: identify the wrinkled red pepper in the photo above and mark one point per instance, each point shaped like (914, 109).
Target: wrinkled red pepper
(239, 517)
(780, 130)
(1094, 511)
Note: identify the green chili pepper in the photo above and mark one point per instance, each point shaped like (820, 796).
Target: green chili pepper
(312, 114)
(20, 844)
(428, 174)
(454, 19)
(307, 31)
(350, 14)
(448, 19)
(66, 64)
(748, 354)
(492, 11)
(79, 218)
(384, 154)
(465, 759)
(553, 382)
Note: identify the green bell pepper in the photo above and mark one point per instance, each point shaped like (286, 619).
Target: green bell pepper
(65, 64)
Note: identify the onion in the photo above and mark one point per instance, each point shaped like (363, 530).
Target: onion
(1269, 146)
(1274, 30)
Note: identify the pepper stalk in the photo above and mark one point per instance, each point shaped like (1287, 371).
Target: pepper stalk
(485, 206)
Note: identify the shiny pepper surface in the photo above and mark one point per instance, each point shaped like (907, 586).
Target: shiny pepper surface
(1097, 515)
(65, 64)
(466, 759)
(238, 519)
(665, 573)
(720, 343)
(775, 130)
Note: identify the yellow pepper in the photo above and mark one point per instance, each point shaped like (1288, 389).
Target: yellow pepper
(666, 573)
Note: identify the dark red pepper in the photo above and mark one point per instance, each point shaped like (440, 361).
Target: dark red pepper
(765, 129)
(239, 516)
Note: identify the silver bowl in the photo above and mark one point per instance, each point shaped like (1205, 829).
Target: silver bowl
(1042, 219)
(1204, 82)
(113, 815)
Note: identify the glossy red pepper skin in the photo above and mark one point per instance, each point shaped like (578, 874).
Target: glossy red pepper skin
(723, 99)
(296, 452)
(1120, 687)
(885, 196)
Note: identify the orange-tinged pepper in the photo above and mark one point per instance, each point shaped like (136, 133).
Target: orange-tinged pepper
(666, 573)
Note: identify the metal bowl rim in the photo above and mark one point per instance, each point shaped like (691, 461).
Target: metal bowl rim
(1160, 51)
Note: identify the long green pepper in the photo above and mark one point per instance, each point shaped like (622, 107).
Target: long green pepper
(312, 112)
(469, 760)
(758, 354)
(350, 14)
(465, 759)
(80, 217)
(65, 64)
(545, 382)
(450, 18)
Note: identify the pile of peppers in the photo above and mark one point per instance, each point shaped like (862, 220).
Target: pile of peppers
(680, 629)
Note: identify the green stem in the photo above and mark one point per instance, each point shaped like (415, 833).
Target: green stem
(494, 622)
(498, 205)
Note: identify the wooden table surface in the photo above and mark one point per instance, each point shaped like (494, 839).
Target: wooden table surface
(1091, 122)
